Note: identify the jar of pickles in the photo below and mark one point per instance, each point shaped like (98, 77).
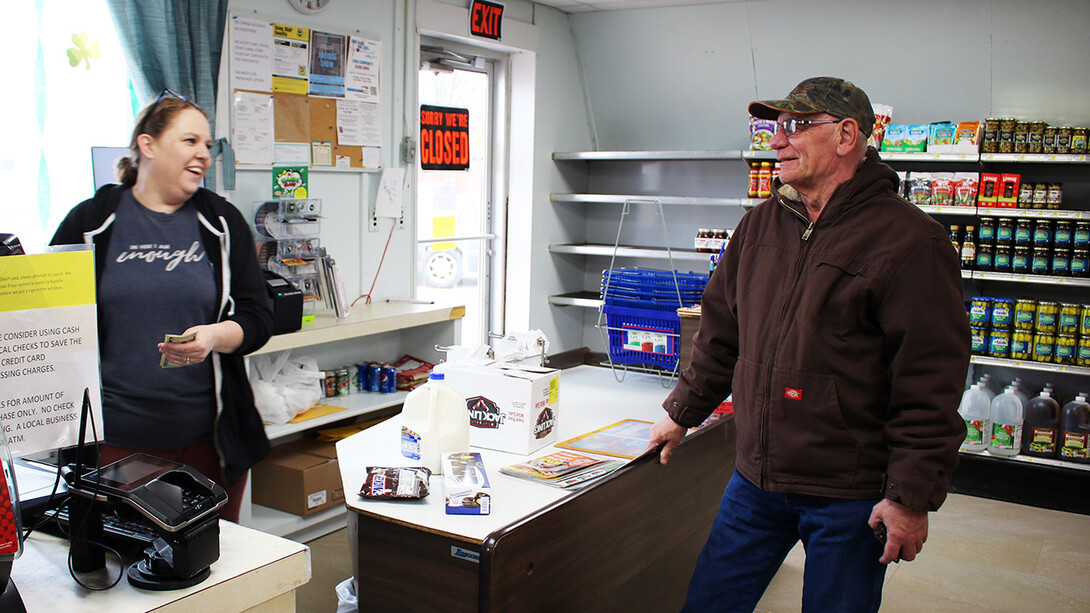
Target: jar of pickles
(1041, 261)
(1082, 354)
(1021, 345)
(1025, 314)
(1003, 314)
(1063, 139)
(1061, 263)
(1042, 233)
(1036, 136)
(1021, 136)
(1044, 347)
(1048, 143)
(1020, 261)
(1001, 260)
(1007, 127)
(999, 343)
(1080, 239)
(1078, 140)
(1063, 234)
(1054, 196)
(1080, 263)
(989, 142)
(1048, 315)
(1068, 321)
(986, 230)
(1004, 231)
(1023, 232)
(1066, 349)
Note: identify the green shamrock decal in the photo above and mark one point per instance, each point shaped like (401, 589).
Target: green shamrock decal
(83, 53)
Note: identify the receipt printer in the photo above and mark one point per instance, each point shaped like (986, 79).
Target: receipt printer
(287, 303)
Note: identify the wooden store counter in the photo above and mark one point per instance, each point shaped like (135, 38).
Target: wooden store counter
(255, 572)
(627, 542)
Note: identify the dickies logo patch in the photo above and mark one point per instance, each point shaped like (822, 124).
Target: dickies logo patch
(791, 393)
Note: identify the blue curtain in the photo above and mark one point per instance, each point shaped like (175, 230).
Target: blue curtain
(174, 44)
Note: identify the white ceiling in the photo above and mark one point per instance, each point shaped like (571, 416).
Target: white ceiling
(587, 6)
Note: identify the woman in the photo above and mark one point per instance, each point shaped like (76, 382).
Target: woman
(174, 258)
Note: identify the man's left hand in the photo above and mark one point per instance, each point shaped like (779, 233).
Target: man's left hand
(906, 530)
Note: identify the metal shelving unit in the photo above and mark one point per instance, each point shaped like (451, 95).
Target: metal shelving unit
(623, 251)
(665, 200)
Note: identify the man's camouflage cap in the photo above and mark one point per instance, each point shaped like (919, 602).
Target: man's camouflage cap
(831, 95)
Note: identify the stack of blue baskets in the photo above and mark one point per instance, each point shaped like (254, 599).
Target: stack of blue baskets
(640, 306)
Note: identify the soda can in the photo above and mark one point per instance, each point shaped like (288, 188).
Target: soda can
(356, 375)
(374, 377)
(343, 382)
(330, 383)
(388, 376)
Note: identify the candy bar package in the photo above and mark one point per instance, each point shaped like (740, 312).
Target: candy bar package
(389, 483)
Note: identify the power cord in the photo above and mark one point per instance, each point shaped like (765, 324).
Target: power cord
(381, 260)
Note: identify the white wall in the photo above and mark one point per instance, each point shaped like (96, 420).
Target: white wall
(681, 78)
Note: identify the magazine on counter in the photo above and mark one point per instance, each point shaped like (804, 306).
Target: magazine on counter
(625, 439)
(562, 469)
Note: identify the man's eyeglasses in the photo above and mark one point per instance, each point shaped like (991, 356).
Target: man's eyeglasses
(791, 126)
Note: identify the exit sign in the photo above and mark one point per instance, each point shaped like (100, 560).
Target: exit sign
(485, 19)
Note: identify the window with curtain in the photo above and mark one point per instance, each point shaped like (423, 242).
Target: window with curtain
(69, 90)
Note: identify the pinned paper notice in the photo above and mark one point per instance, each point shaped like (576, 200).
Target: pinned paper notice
(390, 192)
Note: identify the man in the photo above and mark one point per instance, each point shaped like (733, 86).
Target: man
(836, 320)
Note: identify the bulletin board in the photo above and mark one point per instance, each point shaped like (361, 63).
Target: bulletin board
(338, 127)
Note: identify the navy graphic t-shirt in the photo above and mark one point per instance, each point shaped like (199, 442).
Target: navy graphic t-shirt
(157, 280)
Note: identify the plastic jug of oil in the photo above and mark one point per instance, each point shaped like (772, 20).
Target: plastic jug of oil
(1042, 425)
(1007, 417)
(1076, 430)
(975, 409)
(435, 421)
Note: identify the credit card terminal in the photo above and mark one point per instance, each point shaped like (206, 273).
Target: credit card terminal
(172, 495)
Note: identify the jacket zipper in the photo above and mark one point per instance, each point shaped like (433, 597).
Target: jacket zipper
(766, 414)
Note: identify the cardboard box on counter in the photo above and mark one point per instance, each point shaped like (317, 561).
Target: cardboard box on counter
(301, 478)
(512, 407)
(466, 483)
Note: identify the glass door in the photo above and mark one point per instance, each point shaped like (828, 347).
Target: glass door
(454, 207)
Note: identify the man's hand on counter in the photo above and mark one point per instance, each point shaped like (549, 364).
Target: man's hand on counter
(667, 435)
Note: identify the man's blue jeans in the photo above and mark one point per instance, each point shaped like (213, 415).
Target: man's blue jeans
(753, 533)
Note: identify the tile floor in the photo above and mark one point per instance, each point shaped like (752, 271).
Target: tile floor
(981, 555)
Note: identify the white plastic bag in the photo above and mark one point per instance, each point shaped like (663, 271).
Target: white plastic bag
(285, 388)
(346, 596)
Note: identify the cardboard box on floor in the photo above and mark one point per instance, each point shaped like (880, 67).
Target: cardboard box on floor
(512, 407)
(302, 477)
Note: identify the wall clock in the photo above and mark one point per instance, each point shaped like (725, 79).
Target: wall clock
(309, 7)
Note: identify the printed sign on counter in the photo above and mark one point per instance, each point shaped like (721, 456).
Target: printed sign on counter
(48, 348)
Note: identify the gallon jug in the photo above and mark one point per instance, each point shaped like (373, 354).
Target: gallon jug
(975, 409)
(1076, 431)
(1007, 418)
(1042, 426)
(435, 421)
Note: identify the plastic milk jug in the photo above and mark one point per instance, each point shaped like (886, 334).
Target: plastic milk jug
(975, 409)
(1042, 426)
(1076, 431)
(435, 421)
(1007, 417)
